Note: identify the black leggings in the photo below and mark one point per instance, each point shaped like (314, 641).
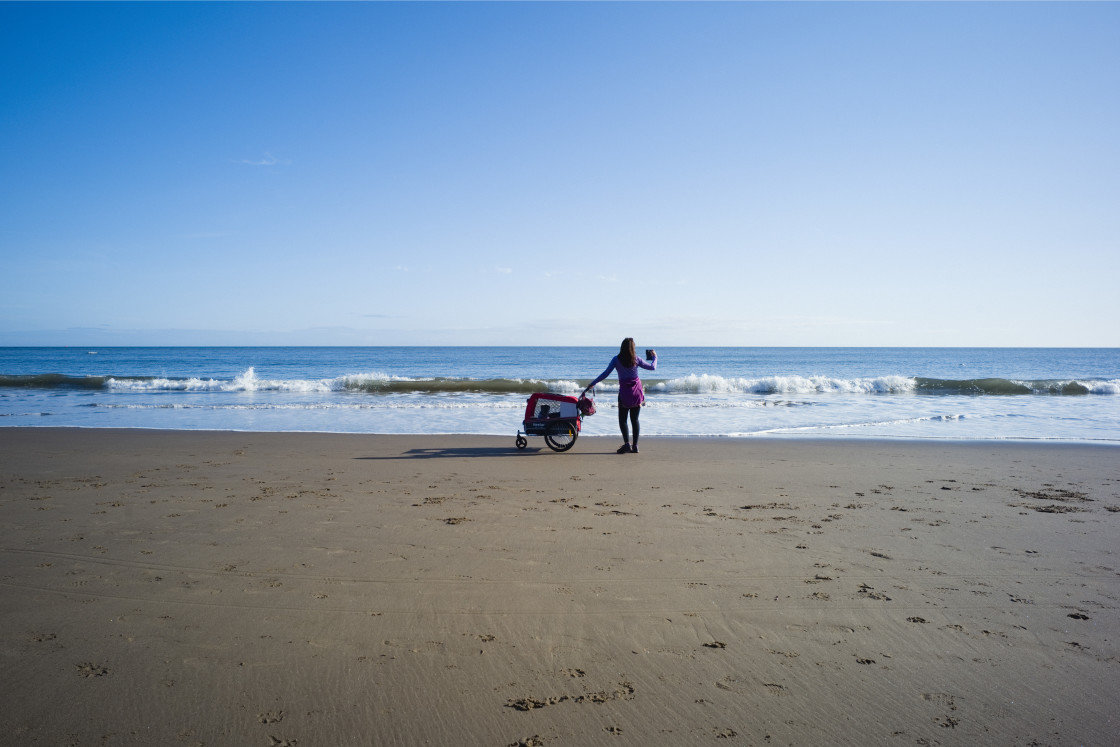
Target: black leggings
(633, 413)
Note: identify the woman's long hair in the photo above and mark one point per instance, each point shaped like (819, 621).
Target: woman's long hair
(626, 354)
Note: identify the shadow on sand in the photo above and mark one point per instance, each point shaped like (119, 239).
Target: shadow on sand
(459, 452)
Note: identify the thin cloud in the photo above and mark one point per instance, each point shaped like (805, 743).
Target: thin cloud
(267, 160)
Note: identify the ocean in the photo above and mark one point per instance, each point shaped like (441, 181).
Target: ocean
(1057, 394)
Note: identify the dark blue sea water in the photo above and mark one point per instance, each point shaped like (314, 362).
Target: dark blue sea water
(937, 393)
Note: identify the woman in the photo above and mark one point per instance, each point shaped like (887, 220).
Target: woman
(630, 394)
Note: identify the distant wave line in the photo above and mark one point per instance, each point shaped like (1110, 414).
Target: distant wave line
(703, 384)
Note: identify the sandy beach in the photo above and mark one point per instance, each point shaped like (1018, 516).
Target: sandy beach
(199, 588)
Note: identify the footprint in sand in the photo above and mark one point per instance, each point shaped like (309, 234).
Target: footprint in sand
(944, 699)
(89, 669)
(534, 741)
(870, 593)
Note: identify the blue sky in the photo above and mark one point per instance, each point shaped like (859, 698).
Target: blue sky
(560, 174)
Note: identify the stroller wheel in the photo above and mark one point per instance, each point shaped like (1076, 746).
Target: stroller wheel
(561, 436)
(521, 442)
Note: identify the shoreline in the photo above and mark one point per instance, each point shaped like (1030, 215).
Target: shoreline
(229, 587)
(1107, 443)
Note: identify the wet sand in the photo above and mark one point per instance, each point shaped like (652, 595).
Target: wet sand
(193, 588)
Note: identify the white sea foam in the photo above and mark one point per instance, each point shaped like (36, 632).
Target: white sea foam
(358, 381)
(311, 406)
(704, 384)
(249, 382)
(842, 426)
(1102, 387)
(713, 384)
(1063, 386)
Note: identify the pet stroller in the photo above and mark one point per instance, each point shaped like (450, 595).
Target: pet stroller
(556, 417)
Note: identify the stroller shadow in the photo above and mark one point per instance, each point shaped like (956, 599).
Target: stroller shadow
(458, 452)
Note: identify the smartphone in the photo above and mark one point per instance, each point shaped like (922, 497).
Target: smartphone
(649, 354)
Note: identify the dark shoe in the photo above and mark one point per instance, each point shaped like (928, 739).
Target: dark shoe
(624, 449)
(634, 449)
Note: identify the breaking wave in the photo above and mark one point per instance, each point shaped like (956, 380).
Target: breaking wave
(709, 384)
(382, 383)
